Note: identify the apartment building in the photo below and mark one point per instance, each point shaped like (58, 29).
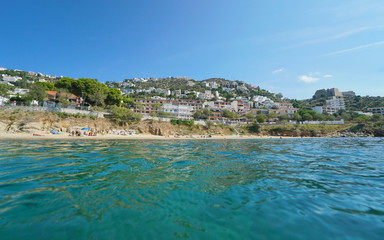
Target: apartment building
(378, 110)
(334, 105)
(180, 108)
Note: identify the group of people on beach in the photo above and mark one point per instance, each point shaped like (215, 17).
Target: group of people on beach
(201, 136)
(77, 133)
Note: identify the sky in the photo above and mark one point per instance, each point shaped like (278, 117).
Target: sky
(291, 47)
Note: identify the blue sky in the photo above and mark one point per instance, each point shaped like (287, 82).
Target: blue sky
(291, 47)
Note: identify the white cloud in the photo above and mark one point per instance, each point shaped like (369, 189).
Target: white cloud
(327, 76)
(308, 79)
(278, 70)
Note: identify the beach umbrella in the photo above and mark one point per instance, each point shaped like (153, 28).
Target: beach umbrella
(85, 129)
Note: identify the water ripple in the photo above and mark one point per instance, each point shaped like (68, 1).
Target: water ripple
(211, 189)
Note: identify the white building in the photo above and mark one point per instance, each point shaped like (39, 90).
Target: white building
(334, 105)
(318, 109)
(208, 95)
(269, 104)
(378, 110)
(178, 110)
(221, 105)
(18, 91)
(3, 100)
(165, 91)
(128, 91)
(212, 85)
(364, 113)
(8, 78)
(260, 99)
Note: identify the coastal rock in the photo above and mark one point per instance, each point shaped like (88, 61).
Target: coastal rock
(351, 134)
(29, 126)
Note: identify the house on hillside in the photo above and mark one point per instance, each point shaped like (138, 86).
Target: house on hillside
(3, 100)
(377, 110)
(61, 99)
(17, 92)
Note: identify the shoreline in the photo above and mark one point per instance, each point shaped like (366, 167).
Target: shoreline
(65, 136)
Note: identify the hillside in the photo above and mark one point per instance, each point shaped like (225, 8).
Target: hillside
(226, 88)
(352, 103)
(146, 87)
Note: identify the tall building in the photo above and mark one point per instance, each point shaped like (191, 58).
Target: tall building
(334, 105)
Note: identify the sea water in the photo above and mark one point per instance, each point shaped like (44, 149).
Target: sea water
(192, 189)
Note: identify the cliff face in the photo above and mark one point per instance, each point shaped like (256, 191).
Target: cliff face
(167, 129)
(37, 121)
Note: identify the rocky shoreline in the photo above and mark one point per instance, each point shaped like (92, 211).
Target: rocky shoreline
(42, 123)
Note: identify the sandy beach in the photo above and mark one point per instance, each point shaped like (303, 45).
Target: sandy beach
(66, 136)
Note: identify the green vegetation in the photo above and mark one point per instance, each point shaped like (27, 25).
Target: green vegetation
(36, 92)
(254, 128)
(96, 93)
(64, 115)
(202, 114)
(46, 85)
(304, 130)
(231, 115)
(182, 122)
(124, 115)
(4, 89)
(260, 118)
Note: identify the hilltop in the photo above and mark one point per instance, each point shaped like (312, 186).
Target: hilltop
(184, 87)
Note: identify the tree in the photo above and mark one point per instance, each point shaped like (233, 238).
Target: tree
(4, 89)
(254, 128)
(128, 102)
(249, 116)
(124, 115)
(271, 115)
(202, 114)
(362, 119)
(114, 97)
(66, 83)
(279, 96)
(283, 117)
(36, 92)
(47, 86)
(307, 117)
(208, 124)
(97, 98)
(297, 116)
(90, 87)
(164, 114)
(231, 115)
(260, 118)
(87, 87)
(376, 118)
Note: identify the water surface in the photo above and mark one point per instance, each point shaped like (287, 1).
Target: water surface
(186, 189)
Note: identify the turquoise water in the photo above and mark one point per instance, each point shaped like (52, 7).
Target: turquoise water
(205, 189)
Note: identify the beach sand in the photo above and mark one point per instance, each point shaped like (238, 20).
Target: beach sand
(65, 136)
